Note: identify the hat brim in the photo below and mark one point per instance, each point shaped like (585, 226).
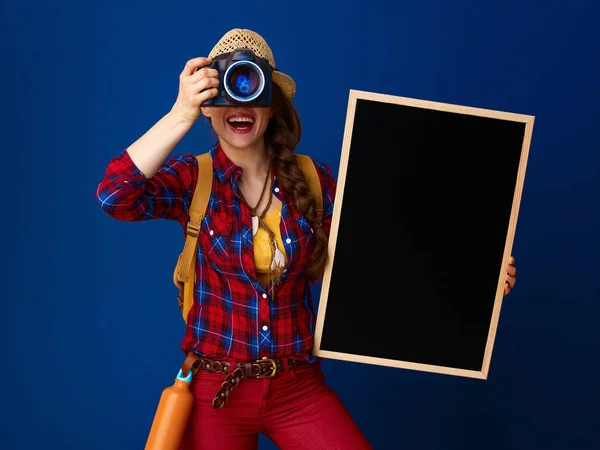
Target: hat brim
(285, 83)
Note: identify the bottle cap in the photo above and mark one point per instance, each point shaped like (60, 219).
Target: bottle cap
(187, 379)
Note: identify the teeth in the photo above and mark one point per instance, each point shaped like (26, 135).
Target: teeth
(241, 119)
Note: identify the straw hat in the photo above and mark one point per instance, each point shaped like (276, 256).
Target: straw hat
(242, 38)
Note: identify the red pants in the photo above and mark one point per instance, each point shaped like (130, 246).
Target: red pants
(295, 409)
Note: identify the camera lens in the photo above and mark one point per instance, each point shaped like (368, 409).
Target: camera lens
(244, 81)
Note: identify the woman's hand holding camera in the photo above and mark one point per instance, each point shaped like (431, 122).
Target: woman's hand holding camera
(196, 85)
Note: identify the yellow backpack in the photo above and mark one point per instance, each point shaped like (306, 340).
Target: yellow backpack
(184, 275)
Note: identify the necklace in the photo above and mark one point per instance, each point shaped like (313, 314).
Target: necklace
(278, 260)
(262, 194)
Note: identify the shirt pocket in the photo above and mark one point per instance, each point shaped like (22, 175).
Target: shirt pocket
(216, 238)
(306, 235)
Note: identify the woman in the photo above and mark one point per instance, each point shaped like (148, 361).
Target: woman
(259, 247)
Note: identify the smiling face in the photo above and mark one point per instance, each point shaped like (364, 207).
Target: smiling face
(239, 127)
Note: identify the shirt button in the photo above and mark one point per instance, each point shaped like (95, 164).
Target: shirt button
(277, 189)
(288, 240)
(212, 232)
(264, 295)
(265, 328)
(264, 357)
(264, 238)
(266, 247)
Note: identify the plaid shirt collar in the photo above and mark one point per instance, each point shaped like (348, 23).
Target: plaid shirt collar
(224, 167)
(227, 171)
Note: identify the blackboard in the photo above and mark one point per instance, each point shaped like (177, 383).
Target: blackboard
(423, 225)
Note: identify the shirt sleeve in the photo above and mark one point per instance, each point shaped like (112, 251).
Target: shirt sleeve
(328, 187)
(126, 194)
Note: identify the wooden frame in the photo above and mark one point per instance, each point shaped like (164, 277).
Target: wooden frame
(370, 269)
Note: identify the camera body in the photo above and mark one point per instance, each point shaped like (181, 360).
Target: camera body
(244, 80)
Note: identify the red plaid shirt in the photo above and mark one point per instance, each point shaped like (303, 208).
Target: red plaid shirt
(233, 315)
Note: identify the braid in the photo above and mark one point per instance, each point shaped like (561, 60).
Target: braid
(281, 138)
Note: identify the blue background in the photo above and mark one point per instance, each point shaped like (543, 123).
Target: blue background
(90, 329)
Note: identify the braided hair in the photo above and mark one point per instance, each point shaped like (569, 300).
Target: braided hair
(281, 138)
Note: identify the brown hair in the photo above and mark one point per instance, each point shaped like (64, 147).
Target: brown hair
(281, 138)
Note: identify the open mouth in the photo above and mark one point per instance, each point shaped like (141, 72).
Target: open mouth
(241, 123)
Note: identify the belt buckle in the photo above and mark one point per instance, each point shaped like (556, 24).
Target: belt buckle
(273, 363)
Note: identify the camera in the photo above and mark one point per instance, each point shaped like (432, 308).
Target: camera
(244, 80)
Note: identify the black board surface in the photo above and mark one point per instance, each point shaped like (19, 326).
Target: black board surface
(424, 220)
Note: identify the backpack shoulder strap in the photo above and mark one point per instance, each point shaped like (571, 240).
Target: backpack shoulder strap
(184, 270)
(203, 188)
(307, 166)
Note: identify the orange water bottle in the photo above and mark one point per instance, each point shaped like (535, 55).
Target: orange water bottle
(172, 414)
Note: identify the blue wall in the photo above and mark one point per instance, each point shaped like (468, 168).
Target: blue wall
(89, 323)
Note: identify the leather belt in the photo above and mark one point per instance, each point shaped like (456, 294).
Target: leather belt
(260, 368)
